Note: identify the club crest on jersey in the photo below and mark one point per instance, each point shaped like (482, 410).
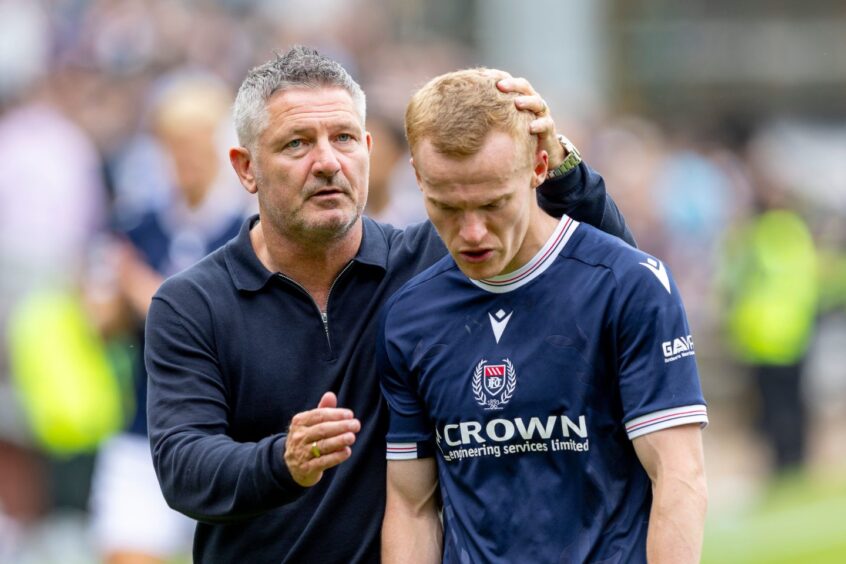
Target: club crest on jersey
(494, 384)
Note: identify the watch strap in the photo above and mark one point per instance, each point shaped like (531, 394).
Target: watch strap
(570, 162)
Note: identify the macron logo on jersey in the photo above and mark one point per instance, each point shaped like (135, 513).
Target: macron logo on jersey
(656, 267)
(498, 322)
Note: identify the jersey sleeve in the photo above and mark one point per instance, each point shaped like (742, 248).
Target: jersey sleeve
(409, 430)
(658, 378)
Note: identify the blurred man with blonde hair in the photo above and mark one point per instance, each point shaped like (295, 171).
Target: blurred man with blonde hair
(541, 377)
(131, 520)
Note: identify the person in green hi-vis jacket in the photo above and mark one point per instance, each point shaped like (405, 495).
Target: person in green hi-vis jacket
(773, 301)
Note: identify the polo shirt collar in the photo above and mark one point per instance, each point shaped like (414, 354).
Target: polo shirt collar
(248, 273)
(374, 245)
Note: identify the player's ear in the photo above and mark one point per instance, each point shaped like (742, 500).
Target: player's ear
(369, 140)
(540, 167)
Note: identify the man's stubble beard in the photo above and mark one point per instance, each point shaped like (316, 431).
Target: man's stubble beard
(293, 225)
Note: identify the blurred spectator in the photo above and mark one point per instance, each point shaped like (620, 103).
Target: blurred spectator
(393, 196)
(206, 208)
(691, 195)
(23, 30)
(772, 286)
(629, 152)
(51, 201)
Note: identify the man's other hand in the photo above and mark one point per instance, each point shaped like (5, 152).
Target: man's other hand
(319, 439)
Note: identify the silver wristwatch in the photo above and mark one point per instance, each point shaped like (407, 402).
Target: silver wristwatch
(570, 162)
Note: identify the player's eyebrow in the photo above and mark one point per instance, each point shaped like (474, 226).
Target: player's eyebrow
(439, 203)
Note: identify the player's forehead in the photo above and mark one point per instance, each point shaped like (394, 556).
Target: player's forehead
(500, 157)
(493, 172)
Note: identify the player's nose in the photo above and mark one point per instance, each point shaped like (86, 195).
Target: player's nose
(473, 229)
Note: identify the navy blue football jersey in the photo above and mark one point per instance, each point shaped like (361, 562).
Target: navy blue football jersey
(528, 389)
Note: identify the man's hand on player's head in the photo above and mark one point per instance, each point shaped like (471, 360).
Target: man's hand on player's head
(543, 125)
(319, 439)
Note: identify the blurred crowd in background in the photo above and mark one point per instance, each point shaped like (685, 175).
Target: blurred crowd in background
(114, 130)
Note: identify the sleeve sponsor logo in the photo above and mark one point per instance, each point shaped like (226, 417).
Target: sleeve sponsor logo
(679, 347)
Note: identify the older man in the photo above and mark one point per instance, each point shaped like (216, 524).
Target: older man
(265, 417)
(542, 376)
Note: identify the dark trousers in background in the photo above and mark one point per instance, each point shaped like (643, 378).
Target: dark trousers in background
(784, 415)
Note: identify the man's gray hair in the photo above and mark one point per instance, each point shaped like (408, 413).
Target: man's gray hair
(299, 67)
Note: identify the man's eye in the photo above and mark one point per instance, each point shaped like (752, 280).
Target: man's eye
(493, 205)
(344, 137)
(295, 144)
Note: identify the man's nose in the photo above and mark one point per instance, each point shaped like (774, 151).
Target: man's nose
(473, 229)
(326, 162)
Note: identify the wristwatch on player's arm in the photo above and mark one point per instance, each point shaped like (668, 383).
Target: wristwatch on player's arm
(571, 160)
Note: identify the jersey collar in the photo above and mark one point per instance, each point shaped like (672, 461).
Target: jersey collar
(544, 258)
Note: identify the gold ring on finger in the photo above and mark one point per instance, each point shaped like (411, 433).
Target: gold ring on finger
(315, 451)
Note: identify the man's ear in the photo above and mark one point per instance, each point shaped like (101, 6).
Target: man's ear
(541, 166)
(242, 162)
(369, 140)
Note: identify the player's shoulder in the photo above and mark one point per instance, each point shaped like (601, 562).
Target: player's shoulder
(426, 285)
(628, 264)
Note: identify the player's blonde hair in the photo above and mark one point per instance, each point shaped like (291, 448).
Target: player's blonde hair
(456, 112)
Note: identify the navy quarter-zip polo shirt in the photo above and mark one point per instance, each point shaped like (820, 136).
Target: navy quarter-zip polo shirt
(234, 351)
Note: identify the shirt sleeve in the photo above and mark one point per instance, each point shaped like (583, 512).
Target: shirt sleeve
(409, 430)
(658, 378)
(581, 194)
(203, 473)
